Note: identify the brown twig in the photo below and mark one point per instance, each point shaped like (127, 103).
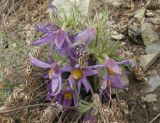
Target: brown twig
(154, 118)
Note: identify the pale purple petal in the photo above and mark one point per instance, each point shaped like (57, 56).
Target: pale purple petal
(86, 36)
(71, 82)
(114, 66)
(125, 62)
(54, 85)
(60, 39)
(116, 81)
(39, 63)
(48, 27)
(68, 40)
(52, 46)
(79, 86)
(100, 66)
(66, 69)
(86, 84)
(89, 72)
(46, 38)
(60, 85)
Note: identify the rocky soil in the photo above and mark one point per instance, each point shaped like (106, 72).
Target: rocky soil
(136, 24)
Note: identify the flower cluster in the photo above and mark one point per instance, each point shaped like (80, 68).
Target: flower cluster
(66, 90)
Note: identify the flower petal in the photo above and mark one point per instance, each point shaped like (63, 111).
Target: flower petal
(114, 66)
(39, 63)
(89, 72)
(116, 81)
(79, 86)
(46, 38)
(60, 85)
(48, 27)
(54, 85)
(131, 62)
(71, 82)
(60, 39)
(86, 36)
(86, 84)
(100, 66)
(66, 69)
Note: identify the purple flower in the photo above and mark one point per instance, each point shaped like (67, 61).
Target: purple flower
(53, 34)
(85, 36)
(53, 74)
(78, 76)
(113, 74)
(66, 97)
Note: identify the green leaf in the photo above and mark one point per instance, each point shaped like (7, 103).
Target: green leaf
(85, 106)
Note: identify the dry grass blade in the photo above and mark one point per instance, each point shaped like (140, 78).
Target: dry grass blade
(29, 106)
(49, 114)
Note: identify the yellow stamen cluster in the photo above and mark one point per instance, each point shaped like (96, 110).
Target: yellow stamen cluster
(77, 74)
(51, 72)
(110, 71)
(68, 96)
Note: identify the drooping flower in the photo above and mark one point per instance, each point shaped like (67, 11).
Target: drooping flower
(67, 97)
(53, 34)
(113, 74)
(53, 74)
(78, 76)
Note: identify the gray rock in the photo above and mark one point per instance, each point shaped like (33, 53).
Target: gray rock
(139, 14)
(147, 60)
(117, 36)
(150, 98)
(152, 84)
(156, 20)
(85, 6)
(150, 13)
(116, 3)
(148, 34)
(66, 5)
(126, 111)
(134, 33)
(14, 45)
(153, 48)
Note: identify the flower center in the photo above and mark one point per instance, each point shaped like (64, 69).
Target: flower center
(68, 96)
(77, 74)
(51, 72)
(110, 71)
